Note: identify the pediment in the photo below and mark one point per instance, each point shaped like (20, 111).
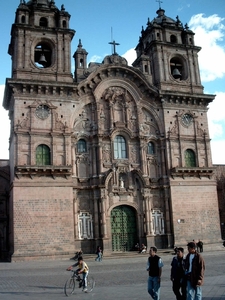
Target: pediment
(117, 74)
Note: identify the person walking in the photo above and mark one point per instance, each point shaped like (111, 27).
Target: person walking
(178, 274)
(154, 267)
(200, 246)
(99, 254)
(194, 270)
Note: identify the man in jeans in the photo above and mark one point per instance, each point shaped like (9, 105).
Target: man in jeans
(154, 267)
(177, 274)
(194, 269)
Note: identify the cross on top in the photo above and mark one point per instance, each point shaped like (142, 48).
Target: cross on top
(114, 46)
(159, 3)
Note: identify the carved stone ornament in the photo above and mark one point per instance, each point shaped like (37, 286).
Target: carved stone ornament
(114, 94)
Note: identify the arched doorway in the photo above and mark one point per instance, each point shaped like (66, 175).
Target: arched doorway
(123, 228)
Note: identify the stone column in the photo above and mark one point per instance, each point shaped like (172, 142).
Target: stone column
(147, 216)
(196, 143)
(73, 160)
(67, 141)
(96, 218)
(150, 216)
(143, 158)
(53, 151)
(59, 53)
(103, 214)
(32, 151)
(76, 219)
(111, 120)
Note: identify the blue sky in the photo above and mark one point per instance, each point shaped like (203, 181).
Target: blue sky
(98, 22)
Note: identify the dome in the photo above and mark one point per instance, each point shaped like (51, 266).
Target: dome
(43, 3)
(115, 59)
(162, 19)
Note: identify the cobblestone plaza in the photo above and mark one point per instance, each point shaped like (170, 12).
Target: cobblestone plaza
(116, 278)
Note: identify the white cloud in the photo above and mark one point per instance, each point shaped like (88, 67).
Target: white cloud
(96, 58)
(216, 111)
(216, 118)
(209, 32)
(130, 56)
(217, 148)
(4, 128)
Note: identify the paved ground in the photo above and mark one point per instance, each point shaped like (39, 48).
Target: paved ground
(116, 278)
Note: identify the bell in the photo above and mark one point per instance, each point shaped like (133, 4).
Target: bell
(42, 61)
(176, 73)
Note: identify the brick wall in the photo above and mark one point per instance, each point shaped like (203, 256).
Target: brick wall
(43, 221)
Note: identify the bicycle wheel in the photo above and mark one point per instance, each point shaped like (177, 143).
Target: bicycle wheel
(69, 286)
(90, 284)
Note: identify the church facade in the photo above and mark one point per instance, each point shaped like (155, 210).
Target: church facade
(113, 154)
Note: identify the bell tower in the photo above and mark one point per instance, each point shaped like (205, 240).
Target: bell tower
(167, 55)
(80, 57)
(39, 98)
(40, 42)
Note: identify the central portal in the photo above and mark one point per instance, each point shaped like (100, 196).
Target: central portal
(123, 228)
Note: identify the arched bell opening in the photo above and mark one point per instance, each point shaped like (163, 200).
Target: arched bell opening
(178, 68)
(43, 55)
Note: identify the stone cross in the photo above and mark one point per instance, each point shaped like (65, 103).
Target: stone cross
(159, 3)
(114, 46)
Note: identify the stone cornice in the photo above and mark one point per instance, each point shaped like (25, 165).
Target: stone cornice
(36, 88)
(192, 172)
(38, 171)
(175, 99)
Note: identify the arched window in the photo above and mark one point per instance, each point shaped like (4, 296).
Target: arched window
(43, 22)
(81, 146)
(189, 157)
(64, 24)
(173, 39)
(151, 148)
(120, 147)
(43, 155)
(146, 68)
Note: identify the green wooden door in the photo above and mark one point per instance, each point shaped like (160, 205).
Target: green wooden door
(123, 228)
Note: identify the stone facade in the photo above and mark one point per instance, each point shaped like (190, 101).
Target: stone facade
(4, 209)
(113, 155)
(220, 179)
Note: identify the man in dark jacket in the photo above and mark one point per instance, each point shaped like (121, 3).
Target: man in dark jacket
(194, 269)
(154, 268)
(178, 274)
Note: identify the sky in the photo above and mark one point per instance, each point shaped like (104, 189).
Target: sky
(99, 22)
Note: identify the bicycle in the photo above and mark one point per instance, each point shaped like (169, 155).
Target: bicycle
(69, 286)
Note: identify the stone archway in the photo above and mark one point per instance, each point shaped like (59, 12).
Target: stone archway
(123, 228)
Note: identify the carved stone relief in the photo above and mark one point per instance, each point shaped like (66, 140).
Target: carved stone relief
(23, 124)
(134, 154)
(83, 123)
(106, 153)
(59, 125)
(174, 129)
